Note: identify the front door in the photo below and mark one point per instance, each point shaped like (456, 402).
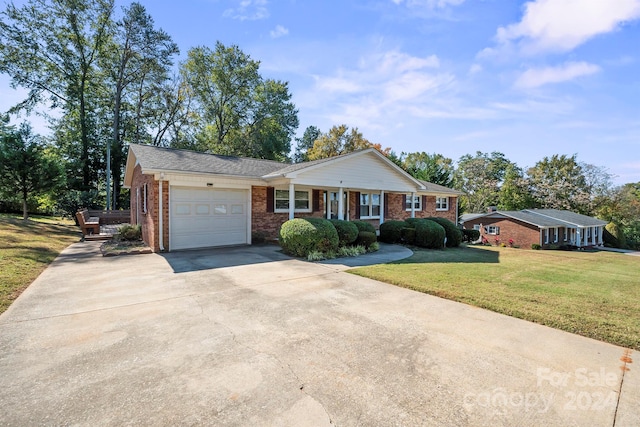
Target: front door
(332, 205)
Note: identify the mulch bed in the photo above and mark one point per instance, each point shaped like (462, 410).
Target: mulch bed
(115, 248)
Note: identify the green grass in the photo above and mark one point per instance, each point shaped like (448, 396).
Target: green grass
(27, 248)
(594, 294)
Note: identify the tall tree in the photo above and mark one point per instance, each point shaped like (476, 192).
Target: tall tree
(434, 168)
(305, 143)
(515, 193)
(26, 168)
(51, 48)
(558, 182)
(480, 177)
(339, 140)
(239, 112)
(137, 62)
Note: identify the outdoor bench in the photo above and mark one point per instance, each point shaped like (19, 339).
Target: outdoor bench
(88, 224)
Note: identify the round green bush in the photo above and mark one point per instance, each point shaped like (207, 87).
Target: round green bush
(366, 239)
(452, 232)
(347, 231)
(412, 222)
(614, 236)
(471, 235)
(364, 226)
(430, 234)
(409, 236)
(536, 246)
(301, 236)
(391, 231)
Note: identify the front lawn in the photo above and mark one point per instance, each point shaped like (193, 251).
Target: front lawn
(595, 294)
(27, 248)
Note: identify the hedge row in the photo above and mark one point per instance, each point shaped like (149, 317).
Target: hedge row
(301, 236)
(426, 232)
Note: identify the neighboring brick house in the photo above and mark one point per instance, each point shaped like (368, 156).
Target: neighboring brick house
(211, 200)
(545, 227)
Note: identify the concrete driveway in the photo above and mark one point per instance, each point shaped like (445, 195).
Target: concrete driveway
(248, 336)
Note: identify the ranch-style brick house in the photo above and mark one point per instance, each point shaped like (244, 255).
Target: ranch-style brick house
(185, 199)
(545, 227)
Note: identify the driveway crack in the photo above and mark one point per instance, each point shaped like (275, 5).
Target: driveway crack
(625, 359)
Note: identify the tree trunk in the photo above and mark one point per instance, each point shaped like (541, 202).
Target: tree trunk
(25, 214)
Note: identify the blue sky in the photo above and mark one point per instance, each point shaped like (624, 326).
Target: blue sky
(528, 79)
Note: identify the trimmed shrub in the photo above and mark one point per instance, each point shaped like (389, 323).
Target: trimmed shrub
(452, 232)
(301, 236)
(412, 222)
(536, 247)
(471, 235)
(364, 226)
(366, 239)
(391, 231)
(409, 235)
(613, 236)
(130, 233)
(429, 234)
(347, 231)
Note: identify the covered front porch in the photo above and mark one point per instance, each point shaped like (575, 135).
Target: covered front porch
(578, 236)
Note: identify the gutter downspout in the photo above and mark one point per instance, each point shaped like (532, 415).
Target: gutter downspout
(161, 215)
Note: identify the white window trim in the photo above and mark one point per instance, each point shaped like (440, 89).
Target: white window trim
(476, 227)
(418, 208)
(371, 205)
(145, 198)
(495, 229)
(310, 199)
(441, 208)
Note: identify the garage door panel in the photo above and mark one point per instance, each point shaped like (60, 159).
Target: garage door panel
(208, 217)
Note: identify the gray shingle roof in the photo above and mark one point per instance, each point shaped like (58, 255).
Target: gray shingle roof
(170, 159)
(436, 188)
(544, 218)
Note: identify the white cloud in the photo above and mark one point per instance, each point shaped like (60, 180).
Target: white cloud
(562, 25)
(475, 69)
(279, 31)
(536, 77)
(248, 10)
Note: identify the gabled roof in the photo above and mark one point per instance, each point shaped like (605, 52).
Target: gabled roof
(543, 218)
(170, 159)
(437, 188)
(154, 159)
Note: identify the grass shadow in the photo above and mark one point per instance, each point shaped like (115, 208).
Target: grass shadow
(459, 255)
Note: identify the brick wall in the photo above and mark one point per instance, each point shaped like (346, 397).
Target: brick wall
(397, 211)
(146, 220)
(523, 235)
(269, 222)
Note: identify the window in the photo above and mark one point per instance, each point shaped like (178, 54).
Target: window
(442, 203)
(301, 203)
(492, 229)
(476, 227)
(369, 205)
(417, 202)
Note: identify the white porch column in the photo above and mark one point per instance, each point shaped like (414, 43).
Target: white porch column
(381, 206)
(341, 203)
(600, 241)
(413, 205)
(292, 200)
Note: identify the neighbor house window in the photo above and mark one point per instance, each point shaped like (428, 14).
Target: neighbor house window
(492, 229)
(442, 203)
(369, 205)
(417, 202)
(302, 203)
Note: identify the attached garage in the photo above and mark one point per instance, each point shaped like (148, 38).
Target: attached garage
(207, 217)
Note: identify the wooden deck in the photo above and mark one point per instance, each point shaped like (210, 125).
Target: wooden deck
(107, 232)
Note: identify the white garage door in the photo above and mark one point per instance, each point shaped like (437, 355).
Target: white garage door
(203, 217)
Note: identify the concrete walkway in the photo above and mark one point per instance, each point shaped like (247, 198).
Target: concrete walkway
(249, 336)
